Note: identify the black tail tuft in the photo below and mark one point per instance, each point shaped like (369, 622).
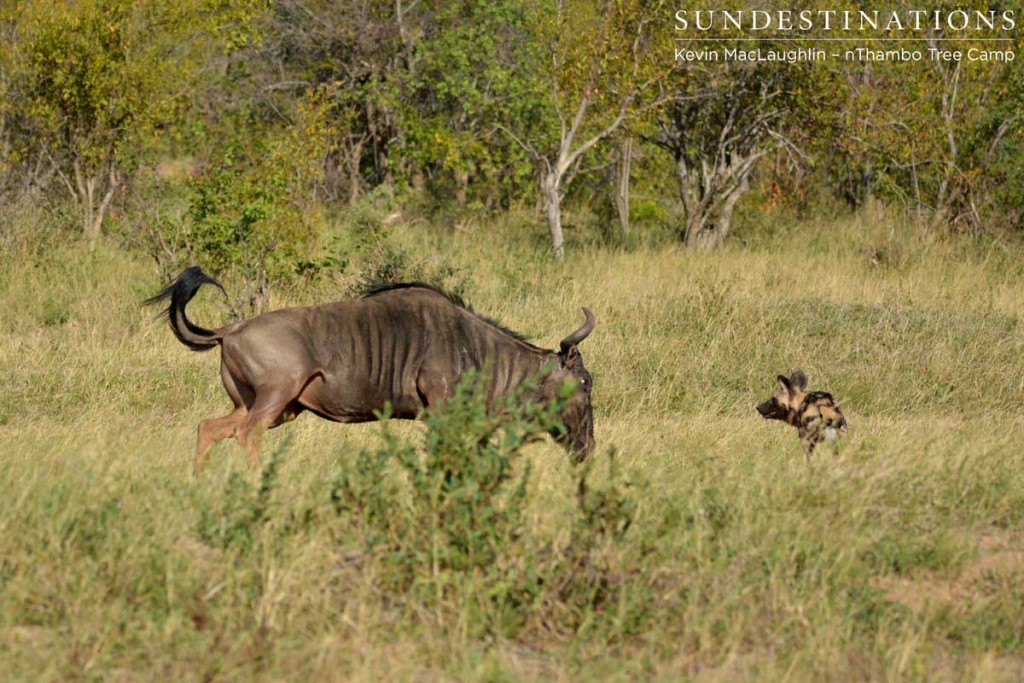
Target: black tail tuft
(180, 292)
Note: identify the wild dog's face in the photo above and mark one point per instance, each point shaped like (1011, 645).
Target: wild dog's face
(784, 405)
(815, 414)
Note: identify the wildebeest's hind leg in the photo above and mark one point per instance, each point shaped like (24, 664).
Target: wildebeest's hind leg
(217, 429)
(273, 406)
(214, 430)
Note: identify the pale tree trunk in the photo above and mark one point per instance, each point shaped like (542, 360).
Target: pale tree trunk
(560, 173)
(93, 195)
(353, 160)
(712, 229)
(416, 177)
(621, 184)
(551, 196)
(943, 202)
(690, 194)
(461, 187)
(709, 197)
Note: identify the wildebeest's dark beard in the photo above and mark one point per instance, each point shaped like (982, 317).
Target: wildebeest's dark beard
(578, 436)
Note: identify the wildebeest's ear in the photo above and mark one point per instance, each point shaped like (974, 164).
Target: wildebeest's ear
(798, 380)
(569, 357)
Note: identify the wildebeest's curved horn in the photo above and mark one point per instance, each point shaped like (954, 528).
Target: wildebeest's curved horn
(580, 334)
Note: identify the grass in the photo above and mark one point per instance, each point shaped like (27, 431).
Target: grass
(897, 559)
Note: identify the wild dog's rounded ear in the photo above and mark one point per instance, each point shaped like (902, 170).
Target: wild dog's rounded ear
(784, 381)
(798, 380)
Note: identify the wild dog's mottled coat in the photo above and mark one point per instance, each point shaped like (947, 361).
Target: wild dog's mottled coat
(815, 414)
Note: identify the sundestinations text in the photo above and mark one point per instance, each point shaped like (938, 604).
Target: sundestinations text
(845, 20)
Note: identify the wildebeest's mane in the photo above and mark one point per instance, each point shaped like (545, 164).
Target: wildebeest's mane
(373, 287)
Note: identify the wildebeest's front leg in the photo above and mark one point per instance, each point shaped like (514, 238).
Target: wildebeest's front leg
(434, 388)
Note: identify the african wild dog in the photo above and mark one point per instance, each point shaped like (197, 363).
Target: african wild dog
(815, 414)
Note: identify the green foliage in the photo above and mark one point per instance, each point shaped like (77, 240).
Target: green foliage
(243, 509)
(465, 503)
(933, 138)
(470, 82)
(92, 85)
(459, 511)
(591, 579)
(246, 218)
(469, 102)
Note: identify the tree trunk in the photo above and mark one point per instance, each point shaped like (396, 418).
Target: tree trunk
(552, 198)
(695, 231)
(461, 187)
(355, 178)
(709, 203)
(416, 177)
(622, 168)
(93, 208)
(690, 194)
(714, 227)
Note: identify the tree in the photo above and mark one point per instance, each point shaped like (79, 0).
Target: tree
(721, 119)
(360, 58)
(947, 146)
(596, 84)
(622, 164)
(94, 79)
(469, 83)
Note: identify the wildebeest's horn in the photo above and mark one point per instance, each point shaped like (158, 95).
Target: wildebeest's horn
(580, 334)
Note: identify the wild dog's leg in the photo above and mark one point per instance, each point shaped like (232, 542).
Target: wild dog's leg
(809, 445)
(810, 435)
(214, 430)
(273, 406)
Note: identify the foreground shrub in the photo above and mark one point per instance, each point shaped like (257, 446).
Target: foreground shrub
(447, 530)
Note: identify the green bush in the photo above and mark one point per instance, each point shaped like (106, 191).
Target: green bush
(449, 531)
(243, 508)
(243, 222)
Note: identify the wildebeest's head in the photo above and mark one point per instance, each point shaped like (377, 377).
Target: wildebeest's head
(577, 417)
(815, 414)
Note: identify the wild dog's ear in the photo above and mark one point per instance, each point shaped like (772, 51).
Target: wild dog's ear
(784, 381)
(569, 357)
(798, 380)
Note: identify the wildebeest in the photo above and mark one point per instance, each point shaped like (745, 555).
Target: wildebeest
(815, 414)
(402, 344)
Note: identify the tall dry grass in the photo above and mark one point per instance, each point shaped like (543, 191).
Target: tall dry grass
(897, 559)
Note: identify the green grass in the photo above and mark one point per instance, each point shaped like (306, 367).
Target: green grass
(896, 559)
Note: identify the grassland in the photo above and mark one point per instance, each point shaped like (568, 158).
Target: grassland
(900, 558)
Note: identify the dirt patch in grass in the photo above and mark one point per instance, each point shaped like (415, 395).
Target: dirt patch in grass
(1000, 558)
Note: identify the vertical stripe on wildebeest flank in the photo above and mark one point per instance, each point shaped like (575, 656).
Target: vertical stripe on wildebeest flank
(406, 345)
(815, 414)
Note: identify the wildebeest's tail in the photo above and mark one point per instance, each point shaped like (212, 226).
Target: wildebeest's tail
(180, 292)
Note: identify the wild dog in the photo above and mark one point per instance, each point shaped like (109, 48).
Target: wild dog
(815, 414)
